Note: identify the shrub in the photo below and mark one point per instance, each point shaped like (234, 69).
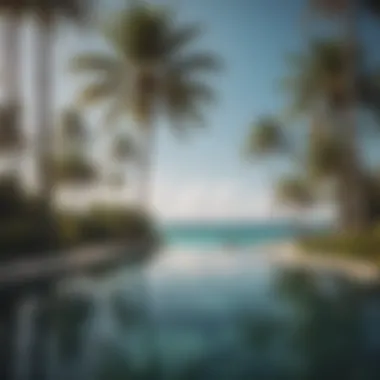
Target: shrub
(363, 245)
(28, 226)
(12, 199)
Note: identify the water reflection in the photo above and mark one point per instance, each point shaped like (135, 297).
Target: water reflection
(325, 326)
(262, 322)
(24, 338)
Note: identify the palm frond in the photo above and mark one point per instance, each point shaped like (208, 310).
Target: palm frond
(294, 191)
(182, 120)
(96, 62)
(153, 71)
(373, 6)
(330, 7)
(182, 96)
(319, 73)
(195, 116)
(201, 61)
(181, 37)
(139, 33)
(96, 92)
(200, 92)
(184, 100)
(264, 137)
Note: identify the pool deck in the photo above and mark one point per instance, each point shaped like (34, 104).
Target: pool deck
(65, 263)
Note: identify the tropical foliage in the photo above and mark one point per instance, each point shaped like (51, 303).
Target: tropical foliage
(23, 229)
(317, 87)
(347, 95)
(295, 192)
(151, 73)
(265, 137)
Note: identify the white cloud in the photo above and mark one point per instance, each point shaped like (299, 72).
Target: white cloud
(200, 199)
(218, 199)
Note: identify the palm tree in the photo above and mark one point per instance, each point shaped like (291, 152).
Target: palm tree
(319, 162)
(45, 14)
(11, 12)
(10, 118)
(356, 208)
(267, 138)
(150, 74)
(319, 87)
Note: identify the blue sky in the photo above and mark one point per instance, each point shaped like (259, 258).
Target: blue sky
(204, 175)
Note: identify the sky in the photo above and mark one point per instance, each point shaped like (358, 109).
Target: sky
(203, 175)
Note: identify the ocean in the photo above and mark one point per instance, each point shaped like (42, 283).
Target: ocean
(221, 234)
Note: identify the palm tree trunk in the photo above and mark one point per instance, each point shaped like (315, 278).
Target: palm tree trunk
(146, 183)
(12, 78)
(44, 105)
(146, 191)
(353, 209)
(351, 192)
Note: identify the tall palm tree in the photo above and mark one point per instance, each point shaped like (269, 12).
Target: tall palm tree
(357, 209)
(45, 13)
(151, 74)
(11, 132)
(12, 13)
(319, 162)
(319, 81)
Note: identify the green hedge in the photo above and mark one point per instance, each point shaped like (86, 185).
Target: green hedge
(29, 227)
(103, 223)
(33, 235)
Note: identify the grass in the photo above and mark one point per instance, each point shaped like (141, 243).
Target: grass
(364, 245)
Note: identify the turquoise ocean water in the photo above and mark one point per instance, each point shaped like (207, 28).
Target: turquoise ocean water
(203, 234)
